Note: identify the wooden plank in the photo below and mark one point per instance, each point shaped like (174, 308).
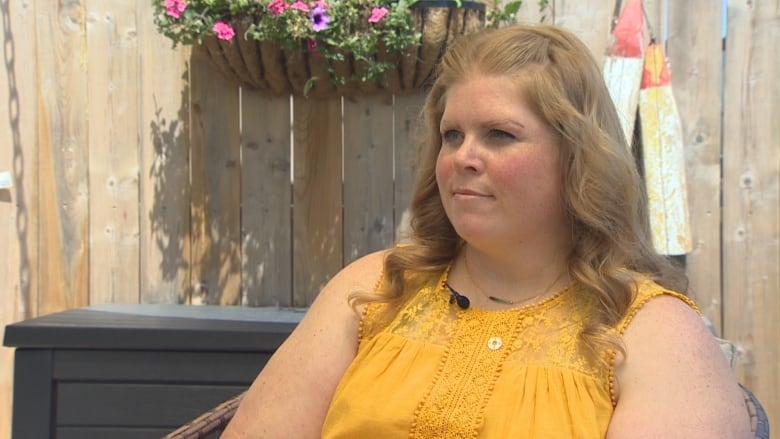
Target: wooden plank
(113, 151)
(655, 19)
(18, 162)
(266, 218)
(62, 138)
(317, 198)
(215, 188)
(408, 110)
(18, 206)
(751, 198)
(591, 23)
(164, 102)
(530, 12)
(695, 55)
(368, 175)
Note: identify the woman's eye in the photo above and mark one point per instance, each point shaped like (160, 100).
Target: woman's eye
(450, 136)
(501, 135)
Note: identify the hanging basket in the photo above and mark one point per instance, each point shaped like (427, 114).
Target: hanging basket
(266, 67)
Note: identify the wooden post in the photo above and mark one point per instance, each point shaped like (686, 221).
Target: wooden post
(751, 198)
(63, 199)
(695, 54)
(18, 206)
(266, 197)
(113, 151)
(368, 175)
(215, 188)
(164, 151)
(317, 197)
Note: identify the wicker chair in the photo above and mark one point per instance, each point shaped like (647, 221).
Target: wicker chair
(759, 423)
(210, 423)
(216, 419)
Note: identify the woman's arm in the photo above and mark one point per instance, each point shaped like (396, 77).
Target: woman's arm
(675, 381)
(291, 395)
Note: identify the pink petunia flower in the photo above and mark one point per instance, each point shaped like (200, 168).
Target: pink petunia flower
(174, 8)
(300, 6)
(223, 30)
(319, 4)
(377, 14)
(277, 7)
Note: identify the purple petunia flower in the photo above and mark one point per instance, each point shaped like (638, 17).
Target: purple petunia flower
(319, 18)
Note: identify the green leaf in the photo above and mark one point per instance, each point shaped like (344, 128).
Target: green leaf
(511, 8)
(309, 84)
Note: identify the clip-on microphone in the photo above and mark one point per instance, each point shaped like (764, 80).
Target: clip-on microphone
(462, 301)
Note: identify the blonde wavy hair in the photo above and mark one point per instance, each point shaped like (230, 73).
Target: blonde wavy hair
(603, 193)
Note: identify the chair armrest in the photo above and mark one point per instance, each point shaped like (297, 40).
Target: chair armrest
(214, 420)
(759, 423)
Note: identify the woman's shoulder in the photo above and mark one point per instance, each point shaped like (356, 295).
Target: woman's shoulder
(649, 291)
(360, 275)
(673, 367)
(302, 375)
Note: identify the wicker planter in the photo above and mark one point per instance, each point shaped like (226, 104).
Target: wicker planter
(264, 66)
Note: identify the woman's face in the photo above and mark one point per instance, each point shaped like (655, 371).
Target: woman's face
(498, 169)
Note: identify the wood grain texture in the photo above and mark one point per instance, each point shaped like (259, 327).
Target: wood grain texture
(216, 188)
(655, 19)
(695, 56)
(751, 197)
(591, 24)
(317, 198)
(18, 206)
(112, 36)
(163, 143)
(266, 197)
(407, 123)
(530, 12)
(368, 175)
(63, 141)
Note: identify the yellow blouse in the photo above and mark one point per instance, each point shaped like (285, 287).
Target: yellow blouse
(438, 371)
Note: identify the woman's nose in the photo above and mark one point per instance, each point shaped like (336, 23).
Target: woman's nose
(468, 155)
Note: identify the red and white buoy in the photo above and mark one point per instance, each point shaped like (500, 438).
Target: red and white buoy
(623, 65)
(663, 157)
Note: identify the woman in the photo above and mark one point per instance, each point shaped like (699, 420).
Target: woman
(528, 301)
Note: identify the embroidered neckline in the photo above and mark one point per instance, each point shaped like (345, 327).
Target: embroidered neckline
(442, 289)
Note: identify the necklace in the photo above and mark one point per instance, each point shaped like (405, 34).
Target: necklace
(500, 299)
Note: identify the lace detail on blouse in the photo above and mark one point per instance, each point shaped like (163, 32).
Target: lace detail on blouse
(445, 372)
(477, 344)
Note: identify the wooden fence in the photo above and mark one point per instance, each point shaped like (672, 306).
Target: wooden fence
(139, 175)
